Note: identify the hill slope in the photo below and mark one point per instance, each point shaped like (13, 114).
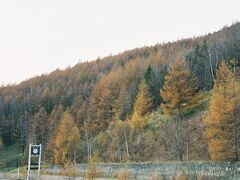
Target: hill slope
(103, 90)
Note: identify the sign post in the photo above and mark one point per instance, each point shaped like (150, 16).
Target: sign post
(29, 160)
(34, 151)
(39, 159)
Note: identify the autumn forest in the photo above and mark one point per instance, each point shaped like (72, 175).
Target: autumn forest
(175, 101)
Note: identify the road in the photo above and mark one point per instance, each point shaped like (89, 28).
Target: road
(48, 177)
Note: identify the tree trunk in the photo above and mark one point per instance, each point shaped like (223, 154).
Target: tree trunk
(88, 145)
(235, 148)
(181, 157)
(210, 62)
(126, 142)
(140, 147)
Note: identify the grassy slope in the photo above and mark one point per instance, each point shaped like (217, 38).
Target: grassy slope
(9, 157)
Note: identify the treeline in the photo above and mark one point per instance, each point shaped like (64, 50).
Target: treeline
(136, 106)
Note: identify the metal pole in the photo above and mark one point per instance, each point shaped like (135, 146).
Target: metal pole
(39, 159)
(18, 173)
(18, 169)
(29, 161)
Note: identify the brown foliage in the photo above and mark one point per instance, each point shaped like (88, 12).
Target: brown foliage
(66, 141)
(179, 90)
(92, 170)
(142, 107)
(222, 122)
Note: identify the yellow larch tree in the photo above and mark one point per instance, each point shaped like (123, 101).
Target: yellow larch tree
(179, 92)
(67, 140)
(142, 108)
(222, 121)
(179, 95)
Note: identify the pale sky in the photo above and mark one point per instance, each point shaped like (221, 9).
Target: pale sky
(38, 36)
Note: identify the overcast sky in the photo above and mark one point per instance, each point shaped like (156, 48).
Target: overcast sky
(38, 36)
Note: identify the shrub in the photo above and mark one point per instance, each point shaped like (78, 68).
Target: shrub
(69, 170)
(182, 177)
(92, 170)
(123, 174)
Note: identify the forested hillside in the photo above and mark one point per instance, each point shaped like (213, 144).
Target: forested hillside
(147, 104)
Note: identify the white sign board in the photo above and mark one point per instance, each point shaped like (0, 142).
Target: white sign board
(34, 151)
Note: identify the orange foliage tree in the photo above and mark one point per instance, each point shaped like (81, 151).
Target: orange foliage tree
(142, 108)
(67, 140)
(179, 95)
(179, 91)
(222, 124)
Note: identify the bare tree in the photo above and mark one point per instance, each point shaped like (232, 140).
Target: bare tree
(178, 136)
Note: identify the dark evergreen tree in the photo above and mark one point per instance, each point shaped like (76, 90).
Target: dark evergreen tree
(199, 63)
(154, 79)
